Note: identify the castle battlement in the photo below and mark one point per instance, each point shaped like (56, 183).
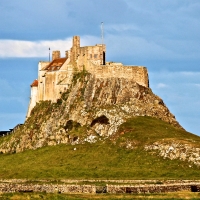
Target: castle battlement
(55, 77)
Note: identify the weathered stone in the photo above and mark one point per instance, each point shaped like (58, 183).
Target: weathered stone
(126, 186)
(176, 150)
(99, 104)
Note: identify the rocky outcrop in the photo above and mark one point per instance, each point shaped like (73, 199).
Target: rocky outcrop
(91, 109)
(176, 150)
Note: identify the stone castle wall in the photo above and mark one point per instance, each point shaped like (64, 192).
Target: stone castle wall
(51, 83)
(92, 58)
(138, 74)
(80, 55)
(33, 99)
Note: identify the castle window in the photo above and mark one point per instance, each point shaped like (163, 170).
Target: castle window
(90, 55)
(95, 55)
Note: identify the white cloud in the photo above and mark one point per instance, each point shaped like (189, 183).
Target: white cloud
(118, 44)
(19, 48)
(161, 85)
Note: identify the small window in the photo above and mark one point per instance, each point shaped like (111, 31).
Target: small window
(95, 55)
(90, 55)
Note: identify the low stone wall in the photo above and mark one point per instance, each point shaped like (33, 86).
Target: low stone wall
(49, 188)
(8, 187)
(153, 188)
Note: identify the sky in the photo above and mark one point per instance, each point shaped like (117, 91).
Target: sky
(162, 35)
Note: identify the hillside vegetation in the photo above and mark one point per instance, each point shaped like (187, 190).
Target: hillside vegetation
(109, 128)
(122, 156)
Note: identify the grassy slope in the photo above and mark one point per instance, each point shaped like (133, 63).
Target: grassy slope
(104, 160)
(148, 130)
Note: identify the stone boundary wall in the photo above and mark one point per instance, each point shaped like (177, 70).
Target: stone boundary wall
(163, 188)
(48, 188)
(113, 189)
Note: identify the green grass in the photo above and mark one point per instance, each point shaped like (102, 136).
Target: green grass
(105, 159)
(148, 130)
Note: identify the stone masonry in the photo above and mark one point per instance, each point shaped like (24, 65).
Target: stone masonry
(55, 77)
(13, 186)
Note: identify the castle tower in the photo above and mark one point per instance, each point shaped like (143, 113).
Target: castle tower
(75, 50)
(33, 98)
(55, 55)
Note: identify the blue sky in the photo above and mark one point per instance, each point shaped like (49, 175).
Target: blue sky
(162, 35)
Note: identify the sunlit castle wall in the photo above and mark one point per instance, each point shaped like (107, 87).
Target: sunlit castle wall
(55, 77)
(33, 98)
(41, 80)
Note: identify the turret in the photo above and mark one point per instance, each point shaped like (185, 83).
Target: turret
(33, 98)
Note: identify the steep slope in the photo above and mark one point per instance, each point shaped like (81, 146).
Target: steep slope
(91, 109)
(121, 156)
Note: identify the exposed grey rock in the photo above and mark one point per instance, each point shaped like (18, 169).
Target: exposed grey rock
(176, 150)
(99, 105)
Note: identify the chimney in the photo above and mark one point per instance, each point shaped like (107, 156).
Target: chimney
(55, 55)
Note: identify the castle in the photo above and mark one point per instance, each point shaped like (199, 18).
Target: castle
(55, 77)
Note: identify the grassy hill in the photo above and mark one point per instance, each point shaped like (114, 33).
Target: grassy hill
(107, 159)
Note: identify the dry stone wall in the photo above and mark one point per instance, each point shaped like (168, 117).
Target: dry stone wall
(49, 188)
(67, 188)
(152, 188)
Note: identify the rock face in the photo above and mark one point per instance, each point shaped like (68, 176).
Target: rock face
(176, 150)
(91, 109)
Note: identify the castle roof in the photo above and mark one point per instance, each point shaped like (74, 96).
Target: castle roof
(35, 83)
(55, 65)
